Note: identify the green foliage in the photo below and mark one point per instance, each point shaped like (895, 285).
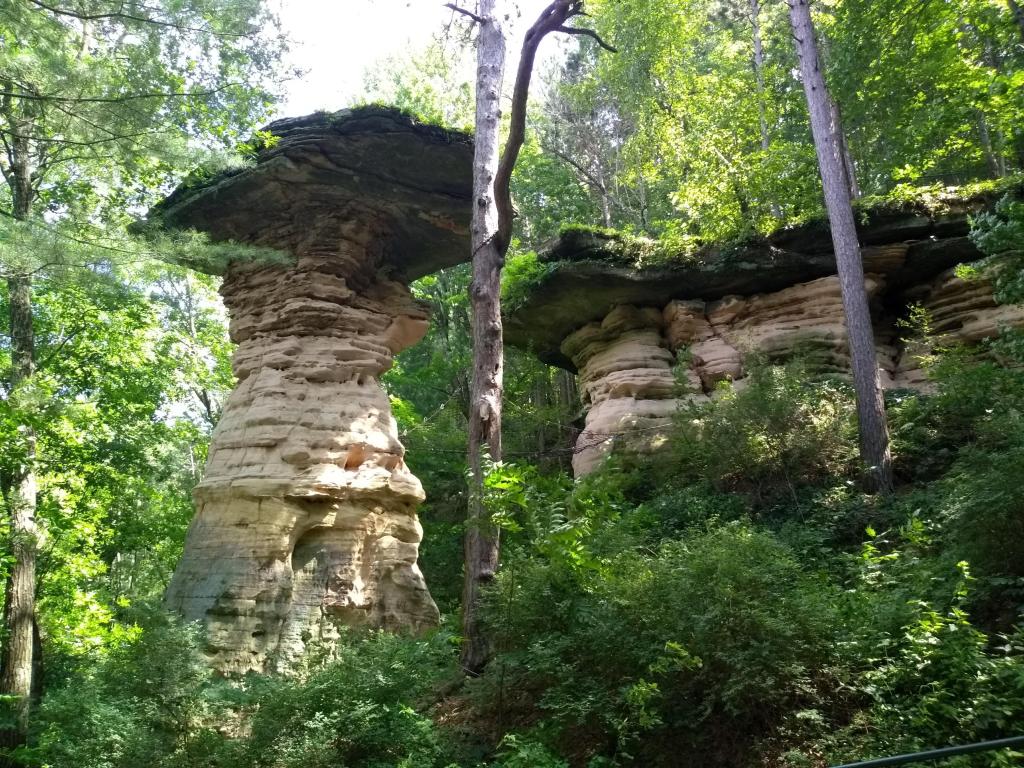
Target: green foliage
(935, 680)
(516, 752)
(115, 485)
(723, 629)
(152, 700)
(522, 273)
(356, 710)
(434, 84)
(146, 702)
(687, 132)
(777, 433)
(1000, 235)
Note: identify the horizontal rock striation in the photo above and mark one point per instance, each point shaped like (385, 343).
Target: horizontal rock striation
(306, 515)
(625, 381)
(643, 339)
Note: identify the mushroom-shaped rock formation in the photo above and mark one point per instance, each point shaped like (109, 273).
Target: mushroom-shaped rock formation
(624, 327)
(306, 515)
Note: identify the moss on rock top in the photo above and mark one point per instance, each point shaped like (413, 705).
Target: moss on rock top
(579, 277)
(316, 177)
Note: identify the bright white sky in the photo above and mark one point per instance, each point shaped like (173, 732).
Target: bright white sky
(335, 41)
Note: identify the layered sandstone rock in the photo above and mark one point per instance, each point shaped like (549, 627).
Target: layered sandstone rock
(306, 514)
(625, 381)
(960, 312)
(804, 320)
(643, 339)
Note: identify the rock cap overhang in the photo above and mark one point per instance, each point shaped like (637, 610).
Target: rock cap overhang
(328, 172)
(588, 275)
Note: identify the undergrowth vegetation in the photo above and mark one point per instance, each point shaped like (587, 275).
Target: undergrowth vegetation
(737, 602)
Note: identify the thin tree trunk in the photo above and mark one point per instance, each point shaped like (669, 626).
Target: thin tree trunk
(849, 169)
(482, 537)
(755, 21)
(986, 146)
(491, 235)
(874, 434)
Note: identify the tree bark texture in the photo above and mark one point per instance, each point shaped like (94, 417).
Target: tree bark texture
(17, 660)
(20, 499)
(874, 434)
(482, 537)
(755, 21)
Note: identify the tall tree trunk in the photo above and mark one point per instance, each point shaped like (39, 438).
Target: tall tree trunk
(16, 664)
(874, 433)
(849, 169)
(755, 21)
(836, 119)
(19, 487)
(482, 537)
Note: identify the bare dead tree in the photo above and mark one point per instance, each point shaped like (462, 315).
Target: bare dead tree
(493, 216)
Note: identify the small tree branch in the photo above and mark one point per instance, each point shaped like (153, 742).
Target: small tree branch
(587, 33)
(122, 16)
(464, 12)
(551, 19)
(116, 99)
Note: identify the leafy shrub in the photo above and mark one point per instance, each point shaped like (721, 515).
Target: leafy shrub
(709, 637)
(975, 402)
(148, 702)
(155, 702)
(999, 234)
(767, 439)
(938, 681)
(983, 518)
(521, 274)
(356, 710)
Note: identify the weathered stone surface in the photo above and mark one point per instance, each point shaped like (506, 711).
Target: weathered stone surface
(960, 312)
(404, 182)
(625, 382)
(306, 515)
(587, 273)
(625, 329)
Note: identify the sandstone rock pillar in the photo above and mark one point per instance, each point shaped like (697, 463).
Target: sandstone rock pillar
(625, 380)
(306, 515)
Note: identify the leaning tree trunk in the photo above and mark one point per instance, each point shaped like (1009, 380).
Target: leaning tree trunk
(482, 541)
(874, 434)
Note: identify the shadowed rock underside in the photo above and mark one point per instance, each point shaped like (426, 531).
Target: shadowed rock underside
(645, 339)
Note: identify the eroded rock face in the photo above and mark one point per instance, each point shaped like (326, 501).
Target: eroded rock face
(646, 334)
(631, 372)
(306, 516)
(805, 320)
(625, 381)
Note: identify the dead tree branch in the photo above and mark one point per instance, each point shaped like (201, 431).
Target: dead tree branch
(464, 12)
(551, 19)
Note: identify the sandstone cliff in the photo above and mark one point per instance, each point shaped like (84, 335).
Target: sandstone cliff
(644, 337)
